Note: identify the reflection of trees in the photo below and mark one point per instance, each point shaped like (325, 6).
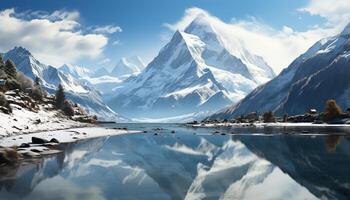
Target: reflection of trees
(331, 142)
(22, 178)
(8, 173)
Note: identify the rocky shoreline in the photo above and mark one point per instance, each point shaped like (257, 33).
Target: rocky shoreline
(34, 145)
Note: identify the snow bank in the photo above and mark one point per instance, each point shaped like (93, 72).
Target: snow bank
(24, 121)
(64, 136)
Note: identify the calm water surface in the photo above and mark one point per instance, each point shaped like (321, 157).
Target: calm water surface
(189, 164)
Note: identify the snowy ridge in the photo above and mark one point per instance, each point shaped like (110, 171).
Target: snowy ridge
(76, 71)
(294, 90)
(128, 66)
(79, 91)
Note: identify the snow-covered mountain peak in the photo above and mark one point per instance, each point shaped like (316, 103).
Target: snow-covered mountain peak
(195, 71)
(136, 60)
(128, 66)
(20, 51)
(226, 52)
(205, 30)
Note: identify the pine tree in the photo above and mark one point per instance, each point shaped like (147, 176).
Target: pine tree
(268, 117)
(37, 81)
(10, 69)
(1, 61)
(60, 97)
(332, 110)
(285, 117)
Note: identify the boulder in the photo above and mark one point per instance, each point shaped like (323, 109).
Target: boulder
(54, 140)
(36, 140)
(24, 145)
(4, 110)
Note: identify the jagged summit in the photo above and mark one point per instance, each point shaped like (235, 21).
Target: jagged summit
(19, 50)
(128, 66)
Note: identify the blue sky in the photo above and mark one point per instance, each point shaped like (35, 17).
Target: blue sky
(142, 27)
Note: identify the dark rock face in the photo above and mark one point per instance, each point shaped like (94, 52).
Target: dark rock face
(320, 74)
(312, 92)
(24, 145)
(36, 140)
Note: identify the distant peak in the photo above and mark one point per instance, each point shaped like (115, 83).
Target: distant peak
(346, 30)
(21, 50)
(123, 60)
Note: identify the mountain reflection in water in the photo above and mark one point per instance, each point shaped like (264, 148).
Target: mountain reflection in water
(190, 164)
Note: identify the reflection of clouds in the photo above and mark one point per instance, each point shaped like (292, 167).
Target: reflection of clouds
(135, 174)
(205, 148)
(58, 188)
(74, 157)
(193, 167)
(103, 163)
(183, 149)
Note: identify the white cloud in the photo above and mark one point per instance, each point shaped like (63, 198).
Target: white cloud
(107, 29)
(336, 12)
(278, 47)
(104, 61)
(116, 43)
(64, 15)
(54, 38)
(190, 14)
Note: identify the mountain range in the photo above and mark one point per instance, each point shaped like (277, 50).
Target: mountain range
(76, 90)
(198, 70)
(201, 70)
(321, 73)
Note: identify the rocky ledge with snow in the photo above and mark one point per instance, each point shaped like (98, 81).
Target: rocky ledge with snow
(29, 115)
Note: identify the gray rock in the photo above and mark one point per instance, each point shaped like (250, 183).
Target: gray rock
(36, 140)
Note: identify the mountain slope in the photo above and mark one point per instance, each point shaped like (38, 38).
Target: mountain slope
(74, 70)
(305, 83)
(77, 91)
(194, 72)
